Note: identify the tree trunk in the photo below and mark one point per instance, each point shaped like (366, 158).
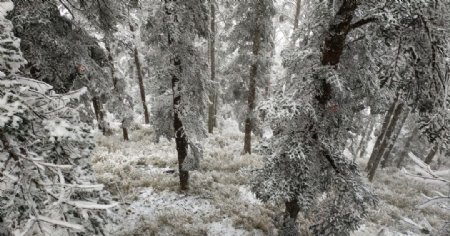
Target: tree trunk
(405, 150)
(337, 33)
(393, 140)
(290, 217)
(181, 140)
(331, 53)
(212, 50)
(385, 140)
(251, 95)
(96, 105)
(137, 61)
(432, 153)
(361, 150)
(98, 108)
(125, 134)
(381, 136)
(298, 7)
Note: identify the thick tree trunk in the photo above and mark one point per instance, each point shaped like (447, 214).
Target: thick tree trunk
(125, 134)
(212, 51)
(290, 217)
(385, 140)
(432, 153)
(337, 33)
(393, 140)
(405, 150)
(181, 139)
(251, 95)
(381, 136)
(137, 61)
(298, 7)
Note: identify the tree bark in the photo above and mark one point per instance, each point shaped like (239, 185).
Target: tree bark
(385, 140)
(361, 150)
(98, 109)
(181, 140)
(125, 134)
(393, 140)
(405, 150)
(331, 53)
(140, 76)
(337, 33)
(298, 7)
(432, 153)
(381, 136)
(290, 217)
(251, 95)
(212, 50)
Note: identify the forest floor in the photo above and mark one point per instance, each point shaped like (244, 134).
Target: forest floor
(140, 175)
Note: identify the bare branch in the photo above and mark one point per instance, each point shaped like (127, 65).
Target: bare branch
(363, 22)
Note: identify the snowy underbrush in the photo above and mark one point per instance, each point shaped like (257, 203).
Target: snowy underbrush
(143, 176)
(398, 212)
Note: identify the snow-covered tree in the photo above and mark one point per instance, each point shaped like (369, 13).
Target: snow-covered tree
(47, 186)
(62, 54)
(348, 59)
(176, 26)
(251, 37)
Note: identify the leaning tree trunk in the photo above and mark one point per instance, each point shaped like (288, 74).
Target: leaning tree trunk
(361, 150)
(405, 150)
(381, 136)
(393, 140)
(385, 140)
(137, 61)
(251, 95)
(212, 122)
(432, 153)
(181, 139)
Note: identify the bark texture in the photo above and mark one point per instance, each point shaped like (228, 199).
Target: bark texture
(298, 7)
(361, 150)
(385, 139)
(99, 113)
(212, 55)
(140, 76)
(386, 122)
(290, 217)
(251, 95)
(125, 134)
(181, 140)
(393, 140)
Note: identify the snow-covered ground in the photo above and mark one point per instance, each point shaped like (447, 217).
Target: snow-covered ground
(140, 174)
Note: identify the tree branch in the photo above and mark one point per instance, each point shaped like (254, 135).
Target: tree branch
(363, 22)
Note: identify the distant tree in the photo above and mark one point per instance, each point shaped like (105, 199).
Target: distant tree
(182, 23)
(413, 64)
(253, 27)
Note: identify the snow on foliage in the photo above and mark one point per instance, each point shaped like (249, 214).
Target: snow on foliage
(44, 158)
